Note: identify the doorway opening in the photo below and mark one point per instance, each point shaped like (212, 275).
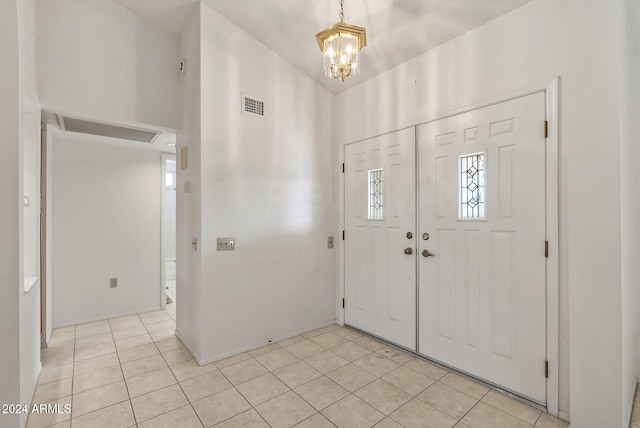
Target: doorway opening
(169, 232)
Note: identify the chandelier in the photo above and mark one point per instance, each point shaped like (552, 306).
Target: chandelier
(340, 45)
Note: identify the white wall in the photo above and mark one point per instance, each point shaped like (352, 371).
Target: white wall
(10, 213)
(106, 223)
(526, 47)
(268, 183)
(100, 60)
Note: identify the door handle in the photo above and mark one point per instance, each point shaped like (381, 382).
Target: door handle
(427, 253)
(408, 251)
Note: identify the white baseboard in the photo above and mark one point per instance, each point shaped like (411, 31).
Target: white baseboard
(190, 348)
(564, 416)
(106, 317)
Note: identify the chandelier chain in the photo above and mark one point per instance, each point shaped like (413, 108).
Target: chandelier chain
(341, 10)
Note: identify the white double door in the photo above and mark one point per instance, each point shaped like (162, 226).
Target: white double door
(480, 247)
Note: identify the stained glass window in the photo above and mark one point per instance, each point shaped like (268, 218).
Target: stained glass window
(376, 194)
(472, 186)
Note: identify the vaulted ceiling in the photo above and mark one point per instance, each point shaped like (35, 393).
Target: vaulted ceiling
(397, 30)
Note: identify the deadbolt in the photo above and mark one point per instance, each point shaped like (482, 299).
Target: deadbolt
(408, 251)
(427, 253)
(425, 236)
(409, 235)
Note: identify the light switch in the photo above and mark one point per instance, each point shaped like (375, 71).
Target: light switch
(226, 244)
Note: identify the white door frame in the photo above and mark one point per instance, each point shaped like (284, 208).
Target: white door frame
(551, 89)
(163, 260)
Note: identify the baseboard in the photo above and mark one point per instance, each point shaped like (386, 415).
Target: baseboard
(106, 317)
(190, 348)
(237, 351)
(564, 416)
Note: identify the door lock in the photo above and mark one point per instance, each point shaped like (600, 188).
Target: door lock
(409, 235)
(427, 253)
(408, 251)
(425, 236)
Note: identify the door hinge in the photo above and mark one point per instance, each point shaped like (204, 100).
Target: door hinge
(343, 235)
(343, 303)
(546, 249)
(546, 129)
(342, 166)
(546, 369)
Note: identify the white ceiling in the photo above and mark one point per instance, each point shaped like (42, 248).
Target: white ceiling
(397, 30)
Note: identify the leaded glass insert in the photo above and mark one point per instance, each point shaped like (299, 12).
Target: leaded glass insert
(376, 194)
(472, 186)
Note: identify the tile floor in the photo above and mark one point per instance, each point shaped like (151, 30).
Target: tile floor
(133, 371)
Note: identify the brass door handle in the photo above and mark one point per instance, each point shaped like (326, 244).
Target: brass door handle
(408, 251)
(427, 253)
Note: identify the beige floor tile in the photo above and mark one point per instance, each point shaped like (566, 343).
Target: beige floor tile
(189, 369)
(244, 371)
(377, 364)
(182, 417)
(138, 353)
(162, 325)
(94, 351)
(264, 349)
(285, 410)
(416, 414)
(369, 343)
(60, 330)
(57, 359)
(148, 382)
(45, 419)
(275, 359)
(158, 402)
(461, 425)
(467, 386)
(325, 361)
(383, 396)
(98, 398)
(207, 384)
(292, 341)
(154, 317)
(177, 356)
(304, 349)
(314, 333)
(408, 380)
(161, 335)
(92, 324)
(52, 391)
(328, 340)
(321, 392)
(129, 332)
(485, 416)
(547, 421)
(92, 331)
(351, 377)
(250, 418)
(316, 421)
(55, 373)
(352, 412)
(57, 339)
(65, 424)
(97, 363)
(262, 388)
(58, 348)
(169, 344)
(220, 406)
(512, 407)
(350, 351)
(397, 355)
(232, 360)
(346, 333)
(296, 374)
(117, 416)
(448, 400)
(388, 423)
(145, 365)
(426, 368)
(125, 323)
(84, 342)
(132, 342)
(97, 378)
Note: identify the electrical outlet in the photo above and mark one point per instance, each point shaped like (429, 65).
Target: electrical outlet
(330, 242)
(226, 244)
(113, 283)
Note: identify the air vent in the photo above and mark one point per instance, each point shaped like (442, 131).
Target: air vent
(107, 130)
(252, 106)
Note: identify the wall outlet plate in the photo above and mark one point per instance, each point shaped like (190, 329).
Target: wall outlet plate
(330, 242)
(113, 282)
(226, 244)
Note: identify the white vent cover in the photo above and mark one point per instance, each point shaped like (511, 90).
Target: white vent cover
(252, 106)
(106, 130)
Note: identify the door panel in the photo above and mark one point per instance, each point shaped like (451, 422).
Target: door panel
(482, 201)
(380, 281)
